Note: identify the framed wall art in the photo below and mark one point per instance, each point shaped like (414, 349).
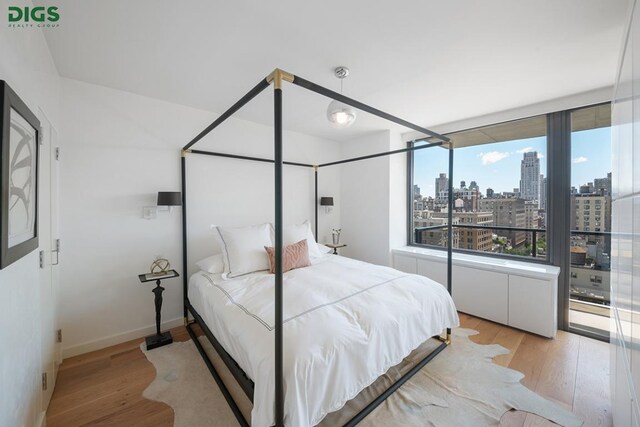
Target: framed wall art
(19, 135)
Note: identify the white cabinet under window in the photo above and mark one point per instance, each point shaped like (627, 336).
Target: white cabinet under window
(515, 293)
(481, 293)
(532, 304)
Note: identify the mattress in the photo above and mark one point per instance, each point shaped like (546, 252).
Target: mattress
(346, 322)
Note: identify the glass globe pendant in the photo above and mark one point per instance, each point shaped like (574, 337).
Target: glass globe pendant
(339, 114)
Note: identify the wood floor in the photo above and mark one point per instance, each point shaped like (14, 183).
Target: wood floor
(105, 387)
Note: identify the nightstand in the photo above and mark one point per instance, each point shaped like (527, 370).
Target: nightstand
(160, 338)
(335, 247)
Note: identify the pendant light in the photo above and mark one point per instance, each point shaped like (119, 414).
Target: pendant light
(339, 114)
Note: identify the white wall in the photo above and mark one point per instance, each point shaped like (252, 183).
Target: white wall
(27, 67)
(120, 149)
(374, 194)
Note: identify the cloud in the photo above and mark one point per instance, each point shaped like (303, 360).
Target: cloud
(492, 157)
(524, 150)
(580, 159)
(540, 156)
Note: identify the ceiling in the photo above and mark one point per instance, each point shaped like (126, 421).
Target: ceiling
(427, 61)
(593, 117)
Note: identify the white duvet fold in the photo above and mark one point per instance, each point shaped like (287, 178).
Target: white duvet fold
(346, 322)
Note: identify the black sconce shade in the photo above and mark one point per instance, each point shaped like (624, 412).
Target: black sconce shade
(326, 201)
(169, 198)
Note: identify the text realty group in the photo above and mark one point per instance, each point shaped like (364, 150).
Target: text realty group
(39, 16)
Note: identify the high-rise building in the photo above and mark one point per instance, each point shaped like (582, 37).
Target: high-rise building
(531, 213)
(435, 237)
(507, 212)
(469, 198)
(489, 192)
(530, 176)
(603, 185)
(442, 183)
(543, 192)
(592, 212)
(474, 186)
(416, 191)
(587, 188)
(471, 238)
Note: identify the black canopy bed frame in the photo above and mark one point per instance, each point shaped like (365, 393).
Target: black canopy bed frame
(277, 77)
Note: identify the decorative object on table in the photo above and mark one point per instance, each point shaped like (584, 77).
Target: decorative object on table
(335, 247)
(340, 114)
(335, 234)
(160, 266)
(327, 202)
(160, 338)
(19, 137)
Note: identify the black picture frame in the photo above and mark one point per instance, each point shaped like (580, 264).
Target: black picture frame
(22, 166)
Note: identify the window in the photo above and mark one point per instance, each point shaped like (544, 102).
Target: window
(495, 186)
(591, 174)
(499, 182)
(595, 279)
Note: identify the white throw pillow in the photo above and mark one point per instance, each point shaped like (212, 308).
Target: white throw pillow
(243, 248)
(294, 233)
(324, 249)
(213, 264)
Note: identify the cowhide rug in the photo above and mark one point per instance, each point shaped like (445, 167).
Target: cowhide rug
(459, 387)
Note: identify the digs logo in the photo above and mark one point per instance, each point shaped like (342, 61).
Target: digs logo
(39, 16)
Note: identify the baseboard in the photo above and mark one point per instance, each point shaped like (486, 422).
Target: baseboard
(42, 419)
(101, 343)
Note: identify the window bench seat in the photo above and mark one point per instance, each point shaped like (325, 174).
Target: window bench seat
(520, 294)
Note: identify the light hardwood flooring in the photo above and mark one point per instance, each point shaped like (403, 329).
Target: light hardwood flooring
(105, 387)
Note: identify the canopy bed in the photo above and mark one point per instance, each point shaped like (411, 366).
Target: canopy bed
(357, 330)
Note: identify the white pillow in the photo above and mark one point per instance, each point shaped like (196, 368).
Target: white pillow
(213, 264)
(243, 249)
(324, 249)
(294, 233)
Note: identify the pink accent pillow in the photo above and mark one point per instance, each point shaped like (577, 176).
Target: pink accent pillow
(293, 256)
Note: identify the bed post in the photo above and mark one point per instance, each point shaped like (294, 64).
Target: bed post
(185, 282)
(450, 232)
(279, 383)
(315, 176)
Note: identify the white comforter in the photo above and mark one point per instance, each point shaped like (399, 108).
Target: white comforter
(346, 322)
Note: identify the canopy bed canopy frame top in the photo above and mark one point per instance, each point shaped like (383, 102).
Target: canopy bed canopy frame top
(277, 77)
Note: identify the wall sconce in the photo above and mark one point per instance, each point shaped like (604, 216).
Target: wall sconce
(327, 202)
(165, 202)
(169, 199)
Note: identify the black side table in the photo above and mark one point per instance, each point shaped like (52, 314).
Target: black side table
(160, 338)
(335, 247)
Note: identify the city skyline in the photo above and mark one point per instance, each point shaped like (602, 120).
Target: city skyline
(497, 165)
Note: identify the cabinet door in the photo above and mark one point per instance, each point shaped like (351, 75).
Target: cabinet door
(404, 263)
(436, 271)
(532, 305)
(481, 293)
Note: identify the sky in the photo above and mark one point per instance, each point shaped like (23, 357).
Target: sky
(497, 165)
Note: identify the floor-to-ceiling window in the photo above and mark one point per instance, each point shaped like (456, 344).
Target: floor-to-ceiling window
(590, 245)
(506, 179)
(499, 188)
